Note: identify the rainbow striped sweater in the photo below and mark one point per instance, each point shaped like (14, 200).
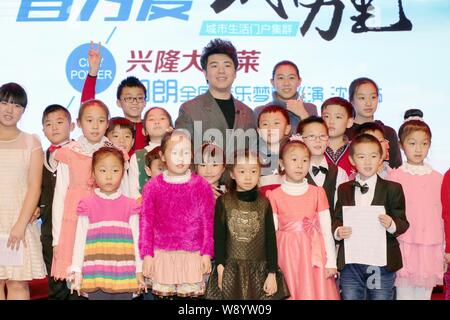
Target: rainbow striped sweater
(109, 252)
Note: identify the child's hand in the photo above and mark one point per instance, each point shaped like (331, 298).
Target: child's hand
(76, 282)
(447, 258)
(270, 285)
(206, 264)
(94, 59)
(16, 236)
(148, 267)
(330, 272)
(344, 232)
(220, 269)
(385, 220)
(35, 215)
(142, 287)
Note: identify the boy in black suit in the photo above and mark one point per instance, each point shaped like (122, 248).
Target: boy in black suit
(57, 125)
(369, 189)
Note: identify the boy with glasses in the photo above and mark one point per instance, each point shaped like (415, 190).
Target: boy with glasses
(314, 132)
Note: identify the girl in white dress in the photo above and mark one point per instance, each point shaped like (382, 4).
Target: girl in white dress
(21, 161)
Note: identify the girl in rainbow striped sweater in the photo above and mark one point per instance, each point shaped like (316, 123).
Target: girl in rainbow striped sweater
(106, 263)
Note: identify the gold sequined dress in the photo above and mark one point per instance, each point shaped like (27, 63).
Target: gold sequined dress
(245, 244)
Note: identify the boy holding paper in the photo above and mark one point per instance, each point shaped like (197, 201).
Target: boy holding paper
(363, 281)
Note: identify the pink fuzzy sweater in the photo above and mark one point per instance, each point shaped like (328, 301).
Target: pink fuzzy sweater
(177, 216)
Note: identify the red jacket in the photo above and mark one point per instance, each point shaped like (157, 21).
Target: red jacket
(343, 162)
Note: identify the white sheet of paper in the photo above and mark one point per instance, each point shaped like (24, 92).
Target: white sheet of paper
(367, 243)
(10, 257)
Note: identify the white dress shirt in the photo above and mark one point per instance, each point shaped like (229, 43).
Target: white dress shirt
(366, 199)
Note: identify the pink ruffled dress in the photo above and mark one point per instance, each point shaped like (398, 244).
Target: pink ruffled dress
(422, 245)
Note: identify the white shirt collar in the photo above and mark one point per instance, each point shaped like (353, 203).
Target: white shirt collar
(89, 148)
(112, 196)
(177, 179)
(294, 189)
(152, 146)
(371, 182)
(416, 170)
(322, 163)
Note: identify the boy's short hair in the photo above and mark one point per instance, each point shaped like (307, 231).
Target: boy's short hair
(272, 108)
(368, 126)
(219, 46)
(53, 108)
(152, 155)
(14, 93)
(313, 119)
(285, 63)
(122, 122)
(364, 138)
(340, 102)
(130, 82)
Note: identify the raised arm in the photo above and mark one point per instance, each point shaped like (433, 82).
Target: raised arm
(94, 60)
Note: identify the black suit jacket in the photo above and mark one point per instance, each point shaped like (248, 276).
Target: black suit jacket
(388, 194)
(46, 199)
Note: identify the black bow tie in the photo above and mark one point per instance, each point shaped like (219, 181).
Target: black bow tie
(364, 188)
(315, 170)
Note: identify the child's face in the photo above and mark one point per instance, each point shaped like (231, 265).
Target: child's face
(108, 173)
(211, 171)
(220, 72)
(273, 127)
(132, 110)
(121, 138)
(286, 82)
(246, 173)
(337, 120)
(178, 155)
(416, 147)
(366, 159)
(156, 168)
(365, 100)
(156, 124)
(295, 163)
(93, 123)
(315, 136)
(384, 143)
(57, 127)
(10, 114)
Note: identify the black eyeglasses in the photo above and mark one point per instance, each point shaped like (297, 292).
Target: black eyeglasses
(139, 99)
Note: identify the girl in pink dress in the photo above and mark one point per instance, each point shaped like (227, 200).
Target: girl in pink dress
(445, 199)
(74, 182)
(422, 245)
(176, 223)
(306, 250)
